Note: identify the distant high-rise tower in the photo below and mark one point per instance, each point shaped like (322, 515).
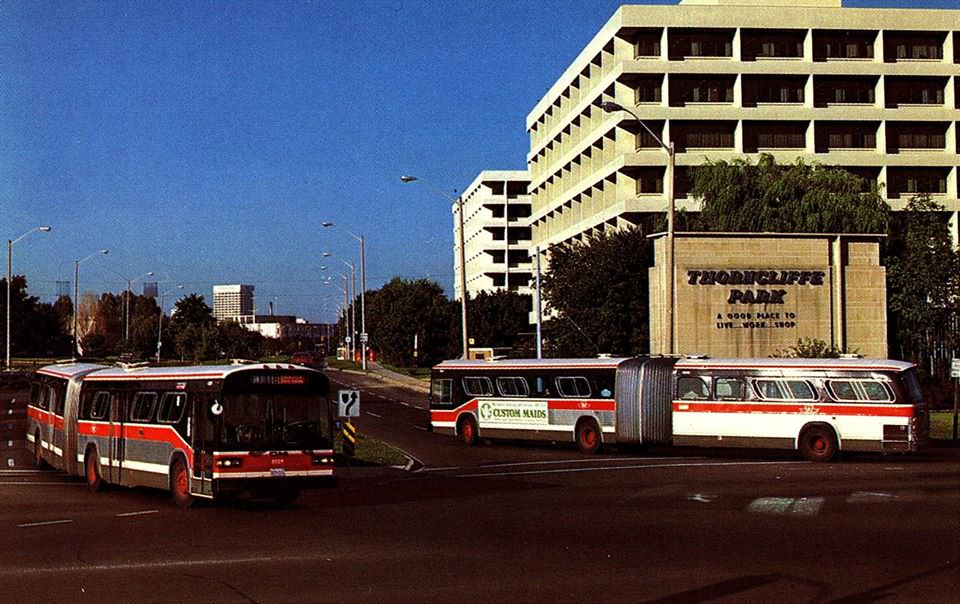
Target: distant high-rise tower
(232, 301)
(150, 289)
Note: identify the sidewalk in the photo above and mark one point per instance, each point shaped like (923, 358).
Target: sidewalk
(393, 378)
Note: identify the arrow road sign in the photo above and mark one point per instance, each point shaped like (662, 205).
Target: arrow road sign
(349, 403)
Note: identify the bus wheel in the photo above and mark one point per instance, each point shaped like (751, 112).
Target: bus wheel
(180, 484)
(467, 429)
(818, 444)
(587, 436)
(91, 471)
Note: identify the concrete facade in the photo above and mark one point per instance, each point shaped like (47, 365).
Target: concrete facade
(753, 294)
(496, 226)
(232, 301)
(876, 91)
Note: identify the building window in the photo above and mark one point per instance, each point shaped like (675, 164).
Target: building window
(914, 91)
(829, 44)
(911, 181)
(845, 135)
(771, 44)
(913, 46)
(686, 43)
(916, 135)
(686, 89)
(830, 90)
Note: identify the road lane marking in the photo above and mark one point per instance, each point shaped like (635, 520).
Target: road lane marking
(29, 524)
(121, 566)
(632, 467)
(138, 513)
(425, 469)
(420, 428)
(562, 461)
(786, 506)
(374, 414)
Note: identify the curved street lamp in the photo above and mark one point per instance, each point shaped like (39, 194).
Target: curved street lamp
(10, 243)
(610, 107)
(353, 311)
(463, 257)
(76, 297)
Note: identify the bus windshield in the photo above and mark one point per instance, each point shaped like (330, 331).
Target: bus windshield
(275, 420)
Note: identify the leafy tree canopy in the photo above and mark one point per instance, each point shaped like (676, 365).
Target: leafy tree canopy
(598, 291)
(497, 319)
(402, 309)
(739, 196)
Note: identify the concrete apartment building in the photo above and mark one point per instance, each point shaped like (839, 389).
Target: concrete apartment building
(876, 91)
(232, 301)
(496, 226)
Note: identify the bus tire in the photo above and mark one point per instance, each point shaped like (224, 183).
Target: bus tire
(467, 430)
(91, 471)
(180, 484)
(38, 453)
(587, 435)
(818, 443)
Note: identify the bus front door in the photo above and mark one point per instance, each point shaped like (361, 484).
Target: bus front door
(202, 441)
(118, 442)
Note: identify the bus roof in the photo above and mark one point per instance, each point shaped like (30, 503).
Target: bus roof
(788, 363)
(594, 363)
(69, 370)
(141, 372)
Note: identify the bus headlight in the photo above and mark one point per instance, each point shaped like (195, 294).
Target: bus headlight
(319, 460)
(229, 462)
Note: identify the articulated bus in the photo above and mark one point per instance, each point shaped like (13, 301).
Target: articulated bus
(202, 432)
(816, 406)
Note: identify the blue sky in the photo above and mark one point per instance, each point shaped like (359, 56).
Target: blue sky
(207, 141)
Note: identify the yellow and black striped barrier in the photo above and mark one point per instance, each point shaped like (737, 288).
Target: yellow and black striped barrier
(349, 438)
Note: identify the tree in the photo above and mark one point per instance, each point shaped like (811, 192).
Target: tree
(35, 327)
(795, 198)
(238, 342)
(923, 277)
(497, 319)
(598, 291)
(402, 309)
(193, 329)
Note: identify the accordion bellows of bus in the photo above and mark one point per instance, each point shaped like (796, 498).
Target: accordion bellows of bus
(204, 431)
(816, 406)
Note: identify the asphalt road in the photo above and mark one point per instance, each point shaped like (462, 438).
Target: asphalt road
(506, 523)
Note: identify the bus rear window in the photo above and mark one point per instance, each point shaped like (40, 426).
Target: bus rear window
(442, 391)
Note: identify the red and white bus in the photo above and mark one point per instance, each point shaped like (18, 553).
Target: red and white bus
(205, 431)
(816, 406)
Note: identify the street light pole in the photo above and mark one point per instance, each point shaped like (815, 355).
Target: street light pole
(160, 321)
(10, 242)
(463, 259)
(609, 107)
(363, 291)
(76, 297)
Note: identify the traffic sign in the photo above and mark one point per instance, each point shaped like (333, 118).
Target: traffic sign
(955, 368)
(349, 401)
(363, 337)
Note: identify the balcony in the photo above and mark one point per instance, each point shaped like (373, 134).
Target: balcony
(905, 90)
(771, 135)
(686, 90)
(699, 43)
(913, 136)
(760, 44)
(845, 136)
(787, 90)
(704, 134)
(903, 46)
(833, 45)
(906, 182)
(846, 90)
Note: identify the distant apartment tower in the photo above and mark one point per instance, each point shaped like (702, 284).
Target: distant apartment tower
(875, 91)
(496, 226)
(232, 301)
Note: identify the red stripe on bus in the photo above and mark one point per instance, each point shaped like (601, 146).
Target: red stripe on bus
(449, 416)
(582, 405)
(291, 462)
(811, 408)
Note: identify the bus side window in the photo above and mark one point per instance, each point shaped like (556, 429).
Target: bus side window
(730, 389)
(100, 406)
(477, 386)
(143, 405)
(691, 388)
(443, 391)
(60, 400)
(172, 407)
